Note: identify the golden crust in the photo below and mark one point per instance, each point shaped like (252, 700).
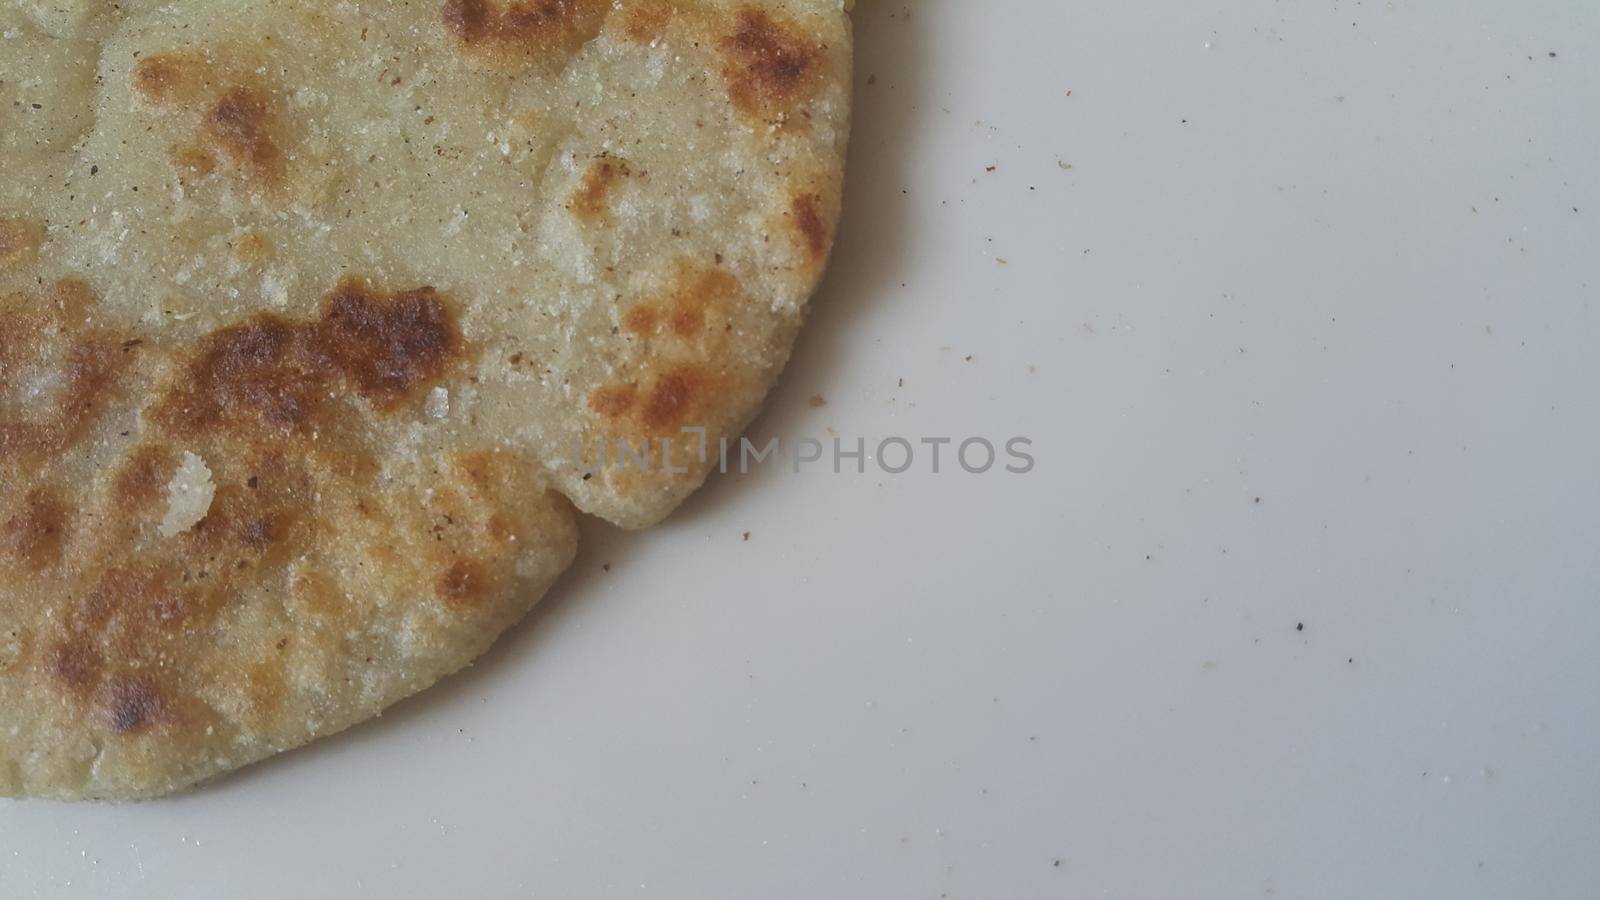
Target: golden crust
(309, 313)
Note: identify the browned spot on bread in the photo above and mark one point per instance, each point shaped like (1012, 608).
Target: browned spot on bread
(70, 300)
(684, 331)
(805, 215)
(239, 128)
(264, 689)
(256, 371)
(33, 537)
(244, 524)
(390, 345)
(236, 118)
(642, 319)
(19, 243)
(176, 77)
(644, 21)
(75, 664)
(279, 373)
(523, 32)
(45, 343)
(463, 584)
(674, 397)
(613, 401)
(770, 65)
(258, 532)
(667, 404)
(592, 201)
(193, 161)
(132, 705)
(143, 478)
(683, 312)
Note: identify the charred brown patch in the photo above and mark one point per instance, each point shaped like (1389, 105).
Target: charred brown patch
(76, 665)
(524, 32)
(264, 688)
(133, 601)
(116, 638)
(696, 293)
(645, 21)
(239, 127)
(33, 537)
(132, 704)
(238, 121)
(770, 65)
(389, 345)
(673, 377)
(170, 77)
(463, 584)
(193, 161)
(592, 201)
(242, 525)
(259, 532)
(143, 478)
(810, 227)
(70, 300)
(278, 372)
(19, 243)
(85, 365)
(669, 402)
(673, 398)
(256, 371)
(613, 401)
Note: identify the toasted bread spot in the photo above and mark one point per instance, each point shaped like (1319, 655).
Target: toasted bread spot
(143, 478)
(33, 537)
(695, 291)
(193, 161)
(264, 690)
(76, 665)
(673, 398)
(19, 244)
(671, 375)
(388, 347)
(238, 118)
(641, 319)
(71, 299)
(462, 584)
(170, 77)
(771, 67)
(592, 201)
(258, 533)
(86, 373)
(239, 128)
(525, 32)
(132, 705)
(257, 370)
(805, 215)
(645, 21)
(613, 401)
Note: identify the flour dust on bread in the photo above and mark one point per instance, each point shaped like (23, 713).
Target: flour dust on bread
(306, 307)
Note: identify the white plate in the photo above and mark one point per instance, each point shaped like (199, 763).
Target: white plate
(1304, 335)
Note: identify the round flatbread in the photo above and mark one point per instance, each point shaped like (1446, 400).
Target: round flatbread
(315, 319)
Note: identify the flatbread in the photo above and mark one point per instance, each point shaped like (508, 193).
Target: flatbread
(314, 317)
